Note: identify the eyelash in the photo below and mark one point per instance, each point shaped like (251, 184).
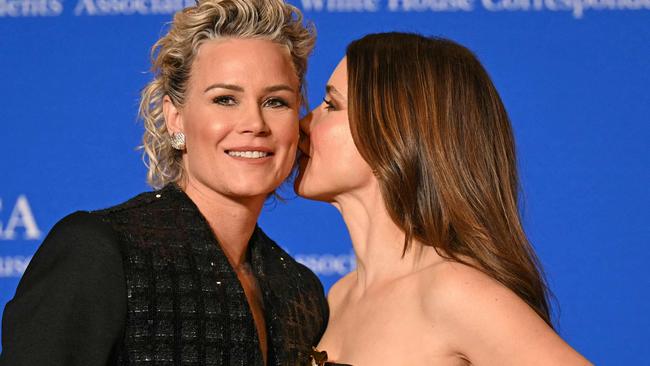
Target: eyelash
(280, 102)
(329, 105)
(225, 100)
(229, 100)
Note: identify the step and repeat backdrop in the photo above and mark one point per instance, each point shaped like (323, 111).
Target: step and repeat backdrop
(573, 74)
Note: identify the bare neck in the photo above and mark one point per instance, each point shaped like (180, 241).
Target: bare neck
(377, 241)
(232, 220)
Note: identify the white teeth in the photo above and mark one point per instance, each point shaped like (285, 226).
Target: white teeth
(248, 154)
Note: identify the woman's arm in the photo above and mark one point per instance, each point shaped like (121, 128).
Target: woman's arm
(70, 305)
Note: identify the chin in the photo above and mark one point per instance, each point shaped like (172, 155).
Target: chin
(251, 190)
(306, 190)
(300, 186)
(313, 186)
(297, 184)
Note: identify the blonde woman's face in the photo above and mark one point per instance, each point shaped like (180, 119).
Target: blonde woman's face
(240, 118)
(330, 165)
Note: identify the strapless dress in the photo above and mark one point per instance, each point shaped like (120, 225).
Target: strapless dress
(319, 358)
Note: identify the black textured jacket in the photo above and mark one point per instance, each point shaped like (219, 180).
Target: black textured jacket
(146, 283)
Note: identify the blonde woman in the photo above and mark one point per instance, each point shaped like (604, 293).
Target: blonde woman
(183, 275)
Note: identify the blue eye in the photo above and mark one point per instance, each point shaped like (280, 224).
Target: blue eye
(226, 100)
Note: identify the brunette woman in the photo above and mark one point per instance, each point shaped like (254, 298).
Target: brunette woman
(413, 146)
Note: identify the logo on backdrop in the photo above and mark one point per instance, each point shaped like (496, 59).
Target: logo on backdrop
(13, 266)
(576, 7)
(328, 264)
(44, 8)
(30, 8)
(129, 7)
(17, 221)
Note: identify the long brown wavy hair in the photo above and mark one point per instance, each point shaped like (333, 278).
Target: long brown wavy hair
(426, 117)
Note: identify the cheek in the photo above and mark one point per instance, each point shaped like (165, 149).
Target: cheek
(321, 144)
(335, 160)
(287, 135)
(332, 143)
(335, 154)
(290, 133)
(335, 166)
(205, 128)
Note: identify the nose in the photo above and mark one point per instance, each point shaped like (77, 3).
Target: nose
(254, 123)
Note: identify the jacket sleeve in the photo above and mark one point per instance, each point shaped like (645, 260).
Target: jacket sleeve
(70, 305)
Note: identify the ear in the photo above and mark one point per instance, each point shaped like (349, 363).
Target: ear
(173, 117)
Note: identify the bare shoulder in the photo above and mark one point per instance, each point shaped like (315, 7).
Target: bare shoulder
(486, 321)
(339, 290)
(454, 287)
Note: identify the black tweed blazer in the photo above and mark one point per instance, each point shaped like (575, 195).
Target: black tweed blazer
(146, 283)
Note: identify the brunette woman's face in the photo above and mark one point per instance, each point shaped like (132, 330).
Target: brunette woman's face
(240, 117)
(331, 164)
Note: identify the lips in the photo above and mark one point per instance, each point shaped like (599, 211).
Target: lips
(249, 152)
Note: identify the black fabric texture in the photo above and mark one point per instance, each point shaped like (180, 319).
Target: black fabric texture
(146, 283)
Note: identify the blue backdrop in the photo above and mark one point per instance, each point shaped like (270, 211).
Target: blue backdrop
(572, 73)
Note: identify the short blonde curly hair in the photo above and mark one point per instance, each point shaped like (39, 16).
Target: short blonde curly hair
(173, 54)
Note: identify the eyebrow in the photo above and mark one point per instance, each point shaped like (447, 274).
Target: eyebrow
(237, 88)
(279, 87)
(224, 86)
(330, 89)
